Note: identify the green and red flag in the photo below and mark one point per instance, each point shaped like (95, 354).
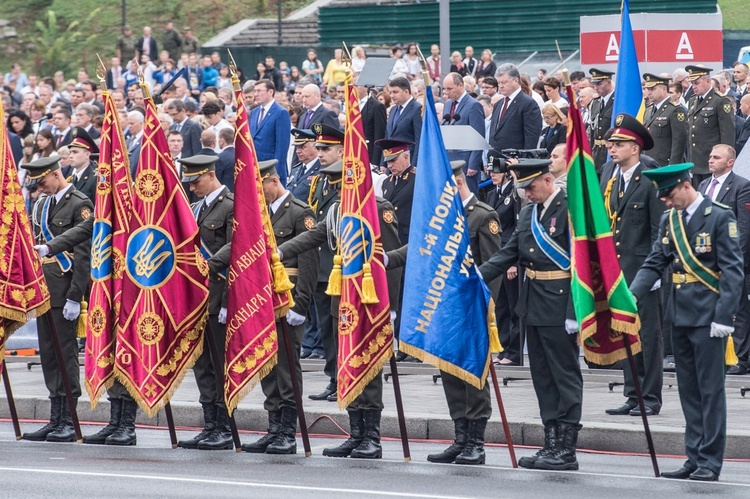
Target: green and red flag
(258, 294)
(113, 211)
(164, 303)
(23, 290)
(605, 308)
(365, 332)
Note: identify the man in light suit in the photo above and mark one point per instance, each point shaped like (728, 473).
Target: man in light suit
(270, 126)
(463, 109)
(405, 119)
(190, 130)
(133, 143)
(516, 122)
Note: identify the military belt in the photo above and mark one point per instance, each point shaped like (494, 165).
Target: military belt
(679, 278)
(291, 272)
(600, 143)
(547, 275)
(52, 259)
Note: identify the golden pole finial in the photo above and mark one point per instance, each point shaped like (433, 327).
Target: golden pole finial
(423, 63)
(234, 72)
(101, 71)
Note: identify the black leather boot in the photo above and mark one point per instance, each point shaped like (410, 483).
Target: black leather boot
(370, 447)
(550, 443)
(115, 412)
(564, 457)
(473, 452)
(209, 425)
(461, 425)
(285, 442)
(125, 433)
(356, 434)
(54, 419)
(221, 438)
(64, 431)
(274, 427)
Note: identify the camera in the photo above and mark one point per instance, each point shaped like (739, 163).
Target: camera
(497, 161)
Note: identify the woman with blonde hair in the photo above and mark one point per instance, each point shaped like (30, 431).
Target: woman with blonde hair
(555, 131)
(358, 58)
(457, 65)
(486, 65)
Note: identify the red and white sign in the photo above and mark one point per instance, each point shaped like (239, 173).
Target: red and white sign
(688, 39)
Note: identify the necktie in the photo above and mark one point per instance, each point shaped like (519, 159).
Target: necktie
(59, 140)
(262, 114)
(308, 118)
(179, 127)
(505, 107)
(711, 190)
(203, 209)
(621, 184)
(685, 218)
(397, 115)
(453, 109)
(700, 100)
(52, 204)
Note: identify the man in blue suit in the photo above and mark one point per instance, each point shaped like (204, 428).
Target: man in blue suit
(405, 118)
(463, 109)
(270, 126)
(516, 121)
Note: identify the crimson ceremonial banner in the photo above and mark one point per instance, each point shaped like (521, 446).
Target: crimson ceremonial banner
(164, 302)
(605, 308)
(23, 290)
(253, 302)
(365, 331)
(113, 211)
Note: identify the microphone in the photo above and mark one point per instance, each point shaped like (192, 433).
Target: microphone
(446, 119)
(45, 117)
(456, 117)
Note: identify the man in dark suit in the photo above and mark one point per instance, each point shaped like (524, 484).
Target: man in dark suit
(270, 126)
(740, 76)
(315, 111)
(744, 132)
(665, 121)
(16, 147)
(208, 140)
(146, 45)
(711, 121)
(307, 168)
(82, 149)
(374, 119)
(516, 122)
(63, 131)
(698, 242)
(463, 109)
(634, 212)
(726, 187)
(405, 119)
(601, 113)
(115, 71)
(225, 164)
(190, 130)
(85, 114)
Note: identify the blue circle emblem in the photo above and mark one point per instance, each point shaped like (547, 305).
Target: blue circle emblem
(357, 244)
(150, 256)
(101, 250)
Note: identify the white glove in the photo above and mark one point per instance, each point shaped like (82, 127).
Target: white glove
(281, 255)
(72, 310)
(656, 285)
(42, 249)
(385, 259)
(223, 315)
(294, 319)
(394, 314)
(720, 330)
(571, 326)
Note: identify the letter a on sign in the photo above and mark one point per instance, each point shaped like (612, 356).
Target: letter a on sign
(684, 49)
(613, 50)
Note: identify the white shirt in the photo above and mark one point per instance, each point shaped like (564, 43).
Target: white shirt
(626, 175)
(466, 201)
(61, 193)
(606, 98)
(659, 105)
(213, 195)
(717, 189)
(548, 201)
(277, 204)
(693, 207)
(221, 125)
(265, 108)
(512, 96)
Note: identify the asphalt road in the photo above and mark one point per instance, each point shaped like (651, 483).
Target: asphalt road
(153, 469)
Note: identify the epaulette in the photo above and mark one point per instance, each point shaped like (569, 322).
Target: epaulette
(79, 194)
(229, 195)
(484, 206)
(300, 203)
(716, 203)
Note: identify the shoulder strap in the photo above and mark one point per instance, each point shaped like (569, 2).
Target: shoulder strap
(692, 265)
(549, 247)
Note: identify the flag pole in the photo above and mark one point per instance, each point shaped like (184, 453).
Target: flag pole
(213, 351)
(170, 424)
(642, 407)
(400, 409)
(296, 388)
(501, 408)
(64, 376)
(11, 402)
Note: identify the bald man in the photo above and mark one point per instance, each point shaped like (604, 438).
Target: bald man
(315, 111)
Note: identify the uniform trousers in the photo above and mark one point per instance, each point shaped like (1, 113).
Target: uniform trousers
(277, 385)
(508, 324)
(464, 400)
(556, 373)
(66, 332)
(328, 333)
(699, 363)
(371, 399)
(648, 363)
(210, 387)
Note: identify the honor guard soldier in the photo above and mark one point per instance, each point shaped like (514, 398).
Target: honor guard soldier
(60, 207)
(711, 121)
(601, 113)
(503, 198)
(666, 122)
(308, 167)
(634, 212)
(699, 242)
(214, 214)
(398, 188)
(290, 217)
(82, 151)
(365, 411)
(541, 242)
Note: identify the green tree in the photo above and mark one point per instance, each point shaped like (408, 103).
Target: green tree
(54, 44)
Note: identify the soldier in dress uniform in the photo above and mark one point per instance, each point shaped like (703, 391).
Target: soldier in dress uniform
(634, 212)
(365, 411)
(711, 121)
(601, 113)
(308, 167)
(60, 207)
(699, 242)
(82, 151)
(541, 242)
(398, 188)
(214, 215)
(666, 122)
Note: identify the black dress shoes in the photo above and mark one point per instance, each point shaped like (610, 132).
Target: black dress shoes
(332, 397)
(682, 474)
(623, 410)
(704, 475)
(737, 370)
(650, 411)
(323, 395)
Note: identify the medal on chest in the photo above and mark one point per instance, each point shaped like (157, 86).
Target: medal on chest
(703, 243)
